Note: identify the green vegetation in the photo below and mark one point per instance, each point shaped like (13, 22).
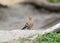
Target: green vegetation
(21, 40)
(48, 38)
(54, 1)
(4, 42)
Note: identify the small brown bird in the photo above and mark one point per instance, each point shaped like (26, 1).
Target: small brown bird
(29, 24)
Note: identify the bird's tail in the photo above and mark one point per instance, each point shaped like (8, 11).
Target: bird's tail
(24, 27)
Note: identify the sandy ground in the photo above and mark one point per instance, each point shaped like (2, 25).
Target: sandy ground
(15, 34)
(15, 17)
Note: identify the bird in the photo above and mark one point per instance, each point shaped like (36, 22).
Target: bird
(29, 24)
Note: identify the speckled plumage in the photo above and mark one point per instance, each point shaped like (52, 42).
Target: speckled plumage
(29, 24)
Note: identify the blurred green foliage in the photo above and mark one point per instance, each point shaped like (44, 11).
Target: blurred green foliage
(48, 38)
(54, 1)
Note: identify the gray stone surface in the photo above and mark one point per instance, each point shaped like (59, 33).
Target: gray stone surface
(15, 17)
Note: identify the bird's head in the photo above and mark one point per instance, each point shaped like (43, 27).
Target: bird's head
(30, 17)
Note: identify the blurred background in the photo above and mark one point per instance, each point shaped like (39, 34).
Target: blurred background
(15, 13)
